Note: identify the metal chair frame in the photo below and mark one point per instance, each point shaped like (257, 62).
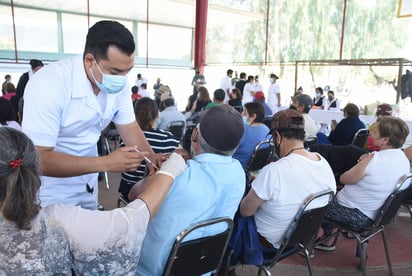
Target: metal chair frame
(109, 133)
(301, 234)
(360, 137)
(201, 255)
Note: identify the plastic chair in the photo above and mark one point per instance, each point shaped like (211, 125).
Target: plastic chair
(109, 133)
(360, 137)
(177, 128)
(301, 233)
(199, 256)
(407, 202)
(385, 216)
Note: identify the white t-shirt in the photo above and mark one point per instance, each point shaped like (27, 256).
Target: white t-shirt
(144, 93)
(284, 185)
(273, 92)
(247, 93)
(381, 176)
(257, 87)
(226, 85)
(69, 117)
(138, 83)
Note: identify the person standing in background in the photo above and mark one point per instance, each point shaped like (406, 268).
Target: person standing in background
(248, 91)
(139, 81)
(274, 99)
(240, 84)
(226, 84)
(256, 85)
(7, 79)
(156, 94)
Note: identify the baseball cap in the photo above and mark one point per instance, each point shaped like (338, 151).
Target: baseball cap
(287, 119)
(304, 100)
(384, 109)
(165, 96)
(163, 89)
(221, 126)
(259, 96)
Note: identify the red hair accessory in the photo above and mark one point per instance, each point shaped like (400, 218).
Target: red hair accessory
(15, 163)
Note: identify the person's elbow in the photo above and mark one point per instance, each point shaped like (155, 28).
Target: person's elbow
(246, 210)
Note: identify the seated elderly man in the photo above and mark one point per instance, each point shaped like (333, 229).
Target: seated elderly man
(371, 180)
(169, 111)
(211, 186)
(303, 103)
(282, 186)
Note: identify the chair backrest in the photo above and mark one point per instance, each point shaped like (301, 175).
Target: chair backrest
(261, 156)
(176, 128)
(267, 121)
(199, 256)
(239, 108)
(360, 137)
(393, 201)
(309, 141)
(303, 230)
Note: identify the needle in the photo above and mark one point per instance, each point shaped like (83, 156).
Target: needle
(148, 160)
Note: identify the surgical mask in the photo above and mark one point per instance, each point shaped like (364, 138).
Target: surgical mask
(318, 95)
(371, 145)
(110, 84)
(245, 122)
(272, 80)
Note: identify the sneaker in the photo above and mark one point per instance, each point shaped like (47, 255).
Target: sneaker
(325, 247)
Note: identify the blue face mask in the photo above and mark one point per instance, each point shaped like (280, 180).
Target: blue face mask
(110, 84)
(245, 122)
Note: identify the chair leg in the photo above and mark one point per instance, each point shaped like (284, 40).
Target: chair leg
(388, 256)
(363, 251)
(265, 270)
(307, 255)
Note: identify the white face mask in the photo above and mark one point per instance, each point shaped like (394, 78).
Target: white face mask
(318, 95)
(272, 80)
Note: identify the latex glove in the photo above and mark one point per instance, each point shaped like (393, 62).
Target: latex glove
(173, 166)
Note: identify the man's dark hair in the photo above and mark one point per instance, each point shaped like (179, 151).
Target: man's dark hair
(331, 92)
(249, 78)
(230, 71)
(35, 63)
(219, 94)
(139, 76)
(320, 90)
(169, 102)
(256, 108)
(143, 85)
(107, 33)
(242, 75)
(135, 89)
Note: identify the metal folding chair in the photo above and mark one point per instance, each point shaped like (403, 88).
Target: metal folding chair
(301, 233)
(177, 128)
(386, 215)
(202, 255)
(108, 134)
(262, 155)
(360, 137)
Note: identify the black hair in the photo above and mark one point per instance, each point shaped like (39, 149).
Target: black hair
(35, 63)
(219, 94)
(230, 71)
(320, 90)
(257, 109)
(107, 33)
(249, 78)
(143, 85)
(135, 89)
(242, 75)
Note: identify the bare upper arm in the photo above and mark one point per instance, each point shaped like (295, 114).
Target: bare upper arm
(250, 204)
